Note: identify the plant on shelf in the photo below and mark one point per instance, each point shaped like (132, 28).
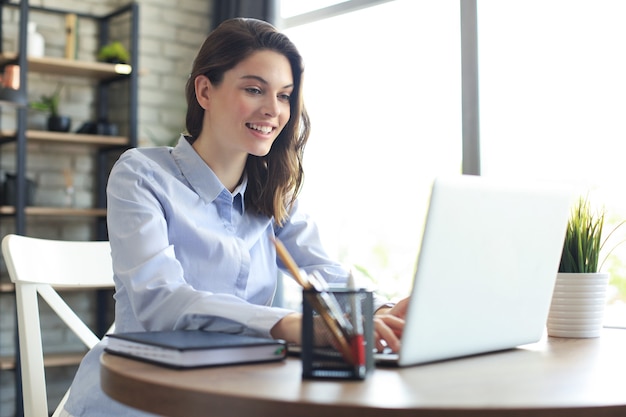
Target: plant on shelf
(50, 104)
(114, 52)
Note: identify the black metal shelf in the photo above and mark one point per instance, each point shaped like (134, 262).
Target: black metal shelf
(104, 74)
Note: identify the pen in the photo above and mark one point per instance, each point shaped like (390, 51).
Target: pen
(357, 340)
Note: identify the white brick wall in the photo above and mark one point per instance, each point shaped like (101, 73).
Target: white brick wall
(171, 32)
(167, 51)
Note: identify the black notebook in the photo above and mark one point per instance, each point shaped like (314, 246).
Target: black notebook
(195, 348)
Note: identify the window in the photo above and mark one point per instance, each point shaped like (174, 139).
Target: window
(383, 89)
(553, 102)
(382, 86)
(295, 8)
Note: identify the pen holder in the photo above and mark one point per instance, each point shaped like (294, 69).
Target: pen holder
(323, 356)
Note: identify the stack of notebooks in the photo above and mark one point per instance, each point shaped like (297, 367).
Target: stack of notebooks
(195, 348)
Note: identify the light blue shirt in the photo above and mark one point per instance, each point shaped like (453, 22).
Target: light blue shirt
(188, 255)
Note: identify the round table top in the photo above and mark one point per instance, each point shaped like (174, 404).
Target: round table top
(573, 377)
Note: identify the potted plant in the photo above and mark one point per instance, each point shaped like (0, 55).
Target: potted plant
(579, 297)
(50, 104)
(114, 52)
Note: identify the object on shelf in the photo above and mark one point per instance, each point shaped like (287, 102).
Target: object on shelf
(58, 123)
(50, 104)
(71, 35)
(35, 45)
(102, 127)
(11, 77)
(114, 53)
(10, 92)
(9, 190)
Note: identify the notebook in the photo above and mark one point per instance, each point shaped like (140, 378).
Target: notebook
(486, 268)
(195, 348)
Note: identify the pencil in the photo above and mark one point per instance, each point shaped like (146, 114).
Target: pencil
(317, 302)
(290, 264)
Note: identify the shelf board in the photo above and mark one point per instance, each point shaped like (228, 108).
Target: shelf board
(60, 137)
(56, 211)
(9, 288)
(56, 359)
(7, 363)
(63, 66)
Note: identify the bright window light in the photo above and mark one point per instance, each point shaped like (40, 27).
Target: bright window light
(382, 86)
(553, 102)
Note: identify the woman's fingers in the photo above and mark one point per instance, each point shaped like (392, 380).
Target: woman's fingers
(388, 332)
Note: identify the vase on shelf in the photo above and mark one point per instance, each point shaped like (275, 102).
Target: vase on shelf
(35, 45)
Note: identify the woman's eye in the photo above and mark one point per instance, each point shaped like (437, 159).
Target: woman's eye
(253, 90)
(284, 97)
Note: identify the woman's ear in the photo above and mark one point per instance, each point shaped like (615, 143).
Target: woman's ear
(203, 88)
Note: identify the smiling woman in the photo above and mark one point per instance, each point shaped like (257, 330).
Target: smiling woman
(244, 113)
(217, 63)
(192, 227)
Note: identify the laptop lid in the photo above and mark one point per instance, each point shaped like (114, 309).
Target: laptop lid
(486, 269)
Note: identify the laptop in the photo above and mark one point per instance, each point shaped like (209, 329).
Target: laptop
(486, 269)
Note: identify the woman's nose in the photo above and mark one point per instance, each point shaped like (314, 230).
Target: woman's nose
(271, 107)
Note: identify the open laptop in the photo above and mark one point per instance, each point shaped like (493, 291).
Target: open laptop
(486, 269)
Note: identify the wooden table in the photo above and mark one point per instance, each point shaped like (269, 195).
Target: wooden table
(555, 377)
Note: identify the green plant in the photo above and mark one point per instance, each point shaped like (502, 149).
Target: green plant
(49, 103)
(583, 239)
(113, 52)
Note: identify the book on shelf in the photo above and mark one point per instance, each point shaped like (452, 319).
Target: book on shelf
(195, 348)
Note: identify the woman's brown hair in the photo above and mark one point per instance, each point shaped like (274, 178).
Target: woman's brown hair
(274, 180)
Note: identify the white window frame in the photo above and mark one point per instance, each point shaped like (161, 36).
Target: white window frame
(327, 12)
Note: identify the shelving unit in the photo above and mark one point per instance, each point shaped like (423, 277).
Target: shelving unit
(104, 75)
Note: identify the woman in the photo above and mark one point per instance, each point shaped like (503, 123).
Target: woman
(191, 227)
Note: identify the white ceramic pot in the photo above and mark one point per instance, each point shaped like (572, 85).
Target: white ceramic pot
(35, 45)
(578, 304)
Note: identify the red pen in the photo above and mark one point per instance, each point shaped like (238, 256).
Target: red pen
(357, 340)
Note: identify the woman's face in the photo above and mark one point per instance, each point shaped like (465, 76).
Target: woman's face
(249, 108)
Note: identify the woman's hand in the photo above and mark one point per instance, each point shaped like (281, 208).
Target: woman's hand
(389, 325)
(289, 328)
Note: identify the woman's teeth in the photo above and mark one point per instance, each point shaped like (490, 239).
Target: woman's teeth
(262, 129)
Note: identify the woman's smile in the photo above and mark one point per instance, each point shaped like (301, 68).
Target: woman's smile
(260, 128)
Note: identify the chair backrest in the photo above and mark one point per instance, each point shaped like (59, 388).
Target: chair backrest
(38, 266)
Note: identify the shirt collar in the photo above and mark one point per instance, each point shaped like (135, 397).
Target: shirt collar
(238, 194)
(200, 176)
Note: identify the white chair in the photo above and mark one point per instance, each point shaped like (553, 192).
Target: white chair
(38, 266)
